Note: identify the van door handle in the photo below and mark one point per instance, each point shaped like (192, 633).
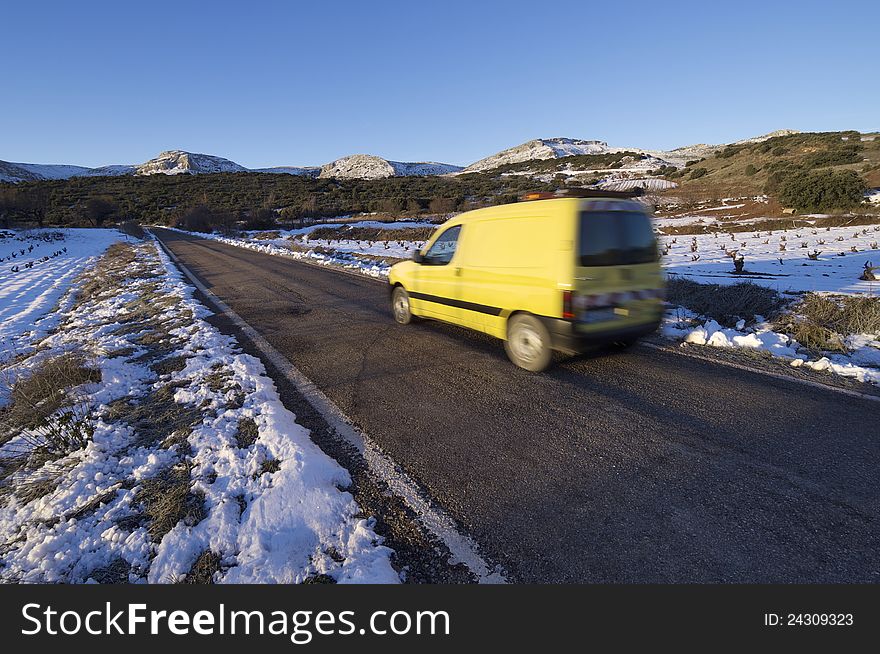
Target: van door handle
(585, 279)
(458, 272)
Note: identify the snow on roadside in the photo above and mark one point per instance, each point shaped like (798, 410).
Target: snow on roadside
(378, 269)
(31, 285)
(267, 507)
(862, 363)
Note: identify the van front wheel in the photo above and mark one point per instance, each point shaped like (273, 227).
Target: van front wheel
(528, 343)
(400, 306)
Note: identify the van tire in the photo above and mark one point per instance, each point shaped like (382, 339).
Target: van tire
(401, 308)
(528, 343)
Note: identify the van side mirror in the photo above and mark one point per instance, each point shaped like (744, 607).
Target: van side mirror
(417, 256)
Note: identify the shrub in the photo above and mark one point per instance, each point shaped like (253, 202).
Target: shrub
(778, 151)
(696, 173)
(751, 170)
(726, 304)
(822, 190)
(47, 414)
(847, 154)
(260, 219)
(822, 322)
(196, 219)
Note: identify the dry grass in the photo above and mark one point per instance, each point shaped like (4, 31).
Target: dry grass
(115, 572)
(49, 421)
(169, 499)
(37, 395)
(319, 579)
(202, 571)
(726, 304)
(822, 322)
(111, 270)
(247, 432)
(157, 418)
(270, 466)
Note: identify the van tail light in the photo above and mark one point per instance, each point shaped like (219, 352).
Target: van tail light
(567, 305)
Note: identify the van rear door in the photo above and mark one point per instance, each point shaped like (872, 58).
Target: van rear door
(617, 274)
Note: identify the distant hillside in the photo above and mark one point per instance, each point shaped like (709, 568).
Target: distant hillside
(755, 167)
(367, 166)
(176, 162)
(180, 162)
(538, 149)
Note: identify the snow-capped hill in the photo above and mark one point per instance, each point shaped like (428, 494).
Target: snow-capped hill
(302, 171)
(368, 166)
(24, 172)
(177, 162)
(541, 149)
(405, 169)
(358, 166)
(15, 173)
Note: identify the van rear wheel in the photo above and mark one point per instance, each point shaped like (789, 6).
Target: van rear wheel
(528, 343)
(400, 306)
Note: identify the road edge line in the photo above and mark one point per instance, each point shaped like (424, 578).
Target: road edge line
(462, 548)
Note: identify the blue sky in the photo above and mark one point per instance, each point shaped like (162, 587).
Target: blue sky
(295, 83)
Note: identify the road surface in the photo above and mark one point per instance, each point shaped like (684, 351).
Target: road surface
(637, 466)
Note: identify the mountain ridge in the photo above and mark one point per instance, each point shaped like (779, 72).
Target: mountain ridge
(365, 166)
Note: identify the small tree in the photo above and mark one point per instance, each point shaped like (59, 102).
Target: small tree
(98, 210)
(260, 219)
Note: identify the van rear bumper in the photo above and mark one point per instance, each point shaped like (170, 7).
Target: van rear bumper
(567, 339)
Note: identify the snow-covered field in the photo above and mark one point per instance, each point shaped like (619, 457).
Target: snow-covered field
(179, 411)
(36, 268)
(779, 259)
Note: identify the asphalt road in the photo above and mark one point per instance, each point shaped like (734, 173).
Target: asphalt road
(637, 466)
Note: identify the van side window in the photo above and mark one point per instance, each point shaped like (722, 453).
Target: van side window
(443, 249)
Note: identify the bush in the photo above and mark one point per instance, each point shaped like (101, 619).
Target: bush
(197, 219)
(822, 190)
(751, 170)
(821, 322)
(46, 412)
(726, 304)
(260, 219)
(778, 151)
(696, 173)
(848, 154)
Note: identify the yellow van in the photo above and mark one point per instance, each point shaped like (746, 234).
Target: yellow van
(553, 273)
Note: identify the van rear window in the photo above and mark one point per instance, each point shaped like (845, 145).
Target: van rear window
(616, 238)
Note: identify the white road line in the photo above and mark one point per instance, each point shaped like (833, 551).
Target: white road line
(461, 547)
(769, 373)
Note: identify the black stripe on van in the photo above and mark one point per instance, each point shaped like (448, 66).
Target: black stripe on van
(458, 304)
